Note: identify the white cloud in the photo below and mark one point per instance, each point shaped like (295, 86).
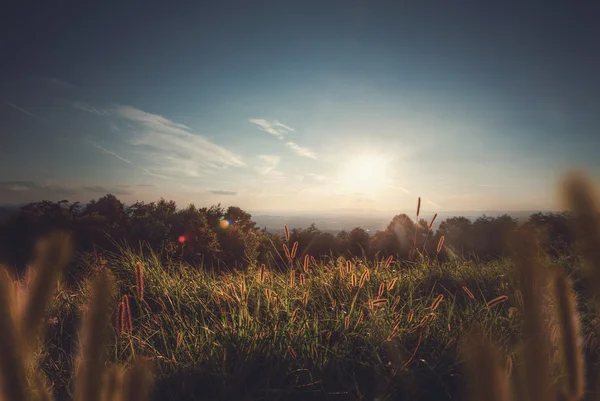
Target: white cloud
(147, 172)
(435, 205)
(268, 164)
(111, 153)
(280, 130)
(274, 128)
(90, 109)
(174, 148)
(301, 150)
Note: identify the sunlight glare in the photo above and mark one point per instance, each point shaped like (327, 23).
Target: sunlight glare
(364, 173)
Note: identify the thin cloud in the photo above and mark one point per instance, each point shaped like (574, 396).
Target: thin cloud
(155, 175)
(221, 192)
(27, 186)
(274, 128)
(268, 164)
(90, 109)
(301, 150)
(175, 148)
(111, 153)
(107, 190)
(435, 205)
(14, 106)
(59, 83)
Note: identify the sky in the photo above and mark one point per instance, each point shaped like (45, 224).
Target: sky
(311, 106)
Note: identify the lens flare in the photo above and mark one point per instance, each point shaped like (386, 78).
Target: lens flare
(224, 224)
(181, 239)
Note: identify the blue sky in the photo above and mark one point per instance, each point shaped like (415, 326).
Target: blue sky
(299, 105)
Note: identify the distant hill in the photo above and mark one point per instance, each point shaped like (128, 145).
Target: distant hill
(347, 219)
(335, 222)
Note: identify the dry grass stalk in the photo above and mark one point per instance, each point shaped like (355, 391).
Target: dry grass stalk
(418, 206)
(381, 290)
(580, 196)
(13, 375)
(294, 250)
(262, 272)
(88, 386)
(139, 280)
(440, 244)
(482, 362)
(468, 292)
(287, 252)
(431, 222)
(389, 261)
(436, 302)
(305, 264)
(113, 384)
(292, 278)
(305, 299)
(286, 232)
(379, 302)
(119, 319)
(392, 283)
(52, 255)
(138, 382)
(363, 278)
(572, 360)
(535, 354)
(519, 296)
(302, 281)
(497, 300)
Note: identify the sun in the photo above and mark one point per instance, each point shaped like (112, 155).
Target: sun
(364, 173)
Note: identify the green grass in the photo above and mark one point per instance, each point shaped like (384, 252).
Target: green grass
(234, 336)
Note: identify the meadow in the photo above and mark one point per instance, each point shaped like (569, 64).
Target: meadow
(423, 328)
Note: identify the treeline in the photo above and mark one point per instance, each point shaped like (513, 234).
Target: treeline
(228, 238)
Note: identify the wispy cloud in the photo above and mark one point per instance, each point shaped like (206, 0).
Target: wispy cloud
(301, 150)
(59, 83)
(173, 147)
(107, 190)
(221, 192)
(151, 174)
(274, 128)
(26, 186)
(430, 202)
(14, 106)
(110, 153)
(90, 109)
(268, 163)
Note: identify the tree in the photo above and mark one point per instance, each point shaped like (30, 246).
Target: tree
(457, 233)
(239, 218)
(199, 242)
(359, 242)
(554, 231)
(490, 235)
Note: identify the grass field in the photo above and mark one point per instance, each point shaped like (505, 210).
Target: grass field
(337, 330)
(343, 330)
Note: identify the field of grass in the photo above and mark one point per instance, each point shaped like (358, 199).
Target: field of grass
(343, 330)
(336, 330)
